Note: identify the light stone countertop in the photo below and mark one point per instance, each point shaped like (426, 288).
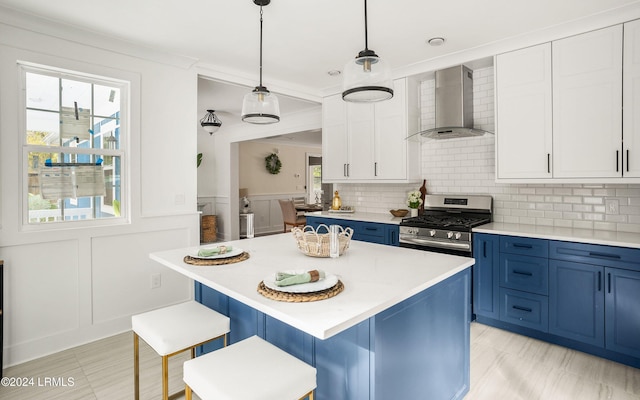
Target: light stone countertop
(375, 278)
(607, 238)
(359, 216)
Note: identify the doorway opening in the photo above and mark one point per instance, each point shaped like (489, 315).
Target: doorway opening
(314, 178)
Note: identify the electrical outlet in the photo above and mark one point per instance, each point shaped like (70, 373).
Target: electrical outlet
(612, 206)
(156, 281)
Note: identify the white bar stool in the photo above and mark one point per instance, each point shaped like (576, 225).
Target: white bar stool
(172, 330)
(251, 369)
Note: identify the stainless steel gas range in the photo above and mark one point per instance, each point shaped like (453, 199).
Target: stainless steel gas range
(445, 226)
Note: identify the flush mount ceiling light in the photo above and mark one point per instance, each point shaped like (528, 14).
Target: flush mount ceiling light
(260, 106)
(436, 41)
(210, 122)
(367, 78)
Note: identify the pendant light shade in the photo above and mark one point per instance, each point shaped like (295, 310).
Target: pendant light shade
(367, 79)
(210, 122)
(260, 106)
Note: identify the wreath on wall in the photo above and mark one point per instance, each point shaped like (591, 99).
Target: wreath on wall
(273, 164)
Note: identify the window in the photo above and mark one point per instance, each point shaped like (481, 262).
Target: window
(73, 150)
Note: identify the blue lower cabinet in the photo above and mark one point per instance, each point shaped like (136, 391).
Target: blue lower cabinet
(245, 321)
(393, 235)
(623, 311)
(529, 274)
(418, 349)
(486, 279)
(579, 295)
(371, 232)
(216, 301)
(416, 345)
(525, 309)
(289, 339)
(524, 246)
(343, 364)
(576, 301)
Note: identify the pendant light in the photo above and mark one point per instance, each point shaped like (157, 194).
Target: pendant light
(367, 78)
(260, 106)
(210, 122)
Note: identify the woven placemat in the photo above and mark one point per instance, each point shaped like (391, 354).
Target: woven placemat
(300, 297)
(217, 261)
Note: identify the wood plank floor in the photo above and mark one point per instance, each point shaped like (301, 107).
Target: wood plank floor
(503, 366)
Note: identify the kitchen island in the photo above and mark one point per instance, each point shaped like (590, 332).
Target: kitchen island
(400, 328)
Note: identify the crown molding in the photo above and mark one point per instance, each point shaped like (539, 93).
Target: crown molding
(35, 24)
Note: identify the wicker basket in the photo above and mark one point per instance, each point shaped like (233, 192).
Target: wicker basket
(316, 244)
(208, 229)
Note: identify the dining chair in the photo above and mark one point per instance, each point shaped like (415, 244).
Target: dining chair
(290, 216)
(299, 201)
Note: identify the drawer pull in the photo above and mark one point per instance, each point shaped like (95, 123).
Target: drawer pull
(526, 309)
(522, 246)
(604, 255)
(368, 228)
(515, 271)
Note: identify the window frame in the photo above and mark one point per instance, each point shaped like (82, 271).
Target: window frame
(122, 152)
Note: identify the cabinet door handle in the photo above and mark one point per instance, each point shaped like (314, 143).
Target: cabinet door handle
(617, 160)
(609, 282)
(604, 255)
(627, 160)
(375, 169)
(522, 246)
(548, 163)
(599, 281)
(348, 169)
(484, 249)
(344, 170)
(525, 273)
(526, 309)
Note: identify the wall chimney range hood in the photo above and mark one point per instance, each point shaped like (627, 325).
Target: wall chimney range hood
(454, 105)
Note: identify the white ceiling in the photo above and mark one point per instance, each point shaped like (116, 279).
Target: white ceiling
(303, 40)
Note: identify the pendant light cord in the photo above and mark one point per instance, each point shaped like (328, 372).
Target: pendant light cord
(366, 40)
(260, 44)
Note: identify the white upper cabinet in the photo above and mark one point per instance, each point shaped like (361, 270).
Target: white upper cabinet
(396, 158)
(334, 139)
(367, 142)
(587, 105)
(524, 113)
(360, 125)
(560, 109)
(631, 101)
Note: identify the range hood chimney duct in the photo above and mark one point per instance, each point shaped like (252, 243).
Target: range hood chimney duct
(454, 105)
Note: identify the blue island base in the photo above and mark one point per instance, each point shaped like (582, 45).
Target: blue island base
(417, 349)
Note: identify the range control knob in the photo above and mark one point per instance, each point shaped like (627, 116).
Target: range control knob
(449, 235)
(432, 232)
(458, 235)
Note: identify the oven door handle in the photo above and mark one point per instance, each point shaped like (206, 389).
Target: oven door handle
(427, 242)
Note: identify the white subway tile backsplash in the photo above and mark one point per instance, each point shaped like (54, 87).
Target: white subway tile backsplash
(582, 224)
(634, 228)
(467, 165)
